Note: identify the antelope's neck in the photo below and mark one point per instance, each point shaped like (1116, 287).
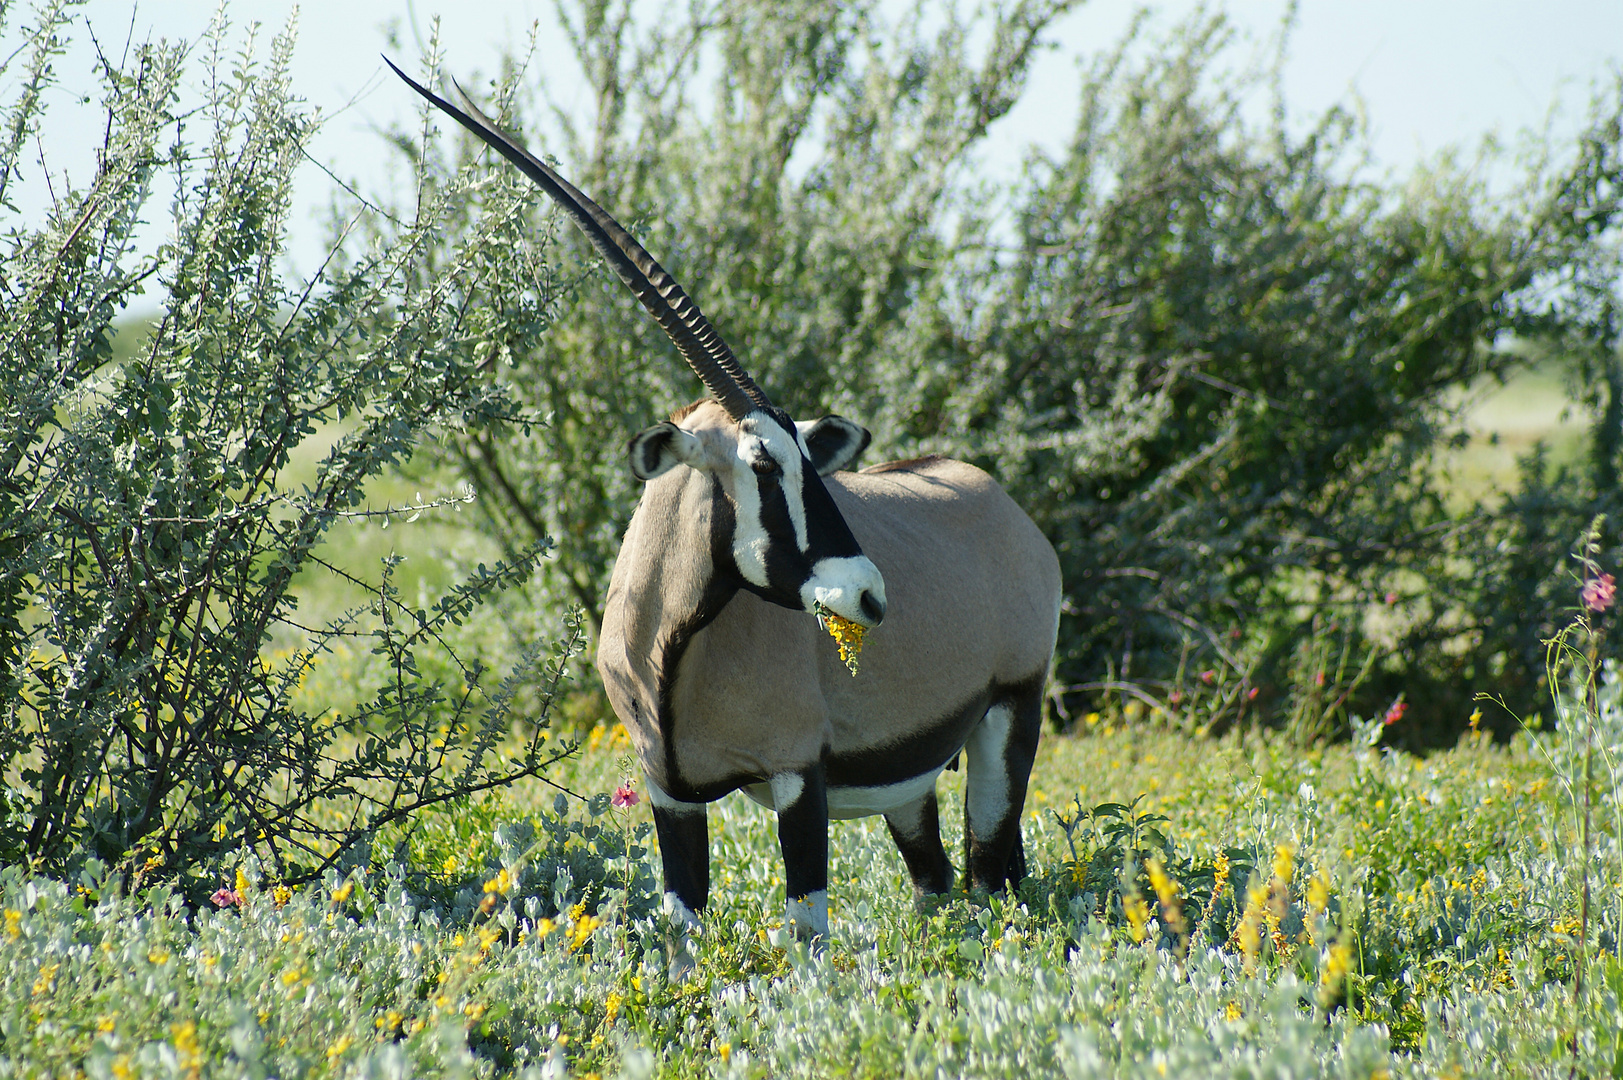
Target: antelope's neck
(672, 578)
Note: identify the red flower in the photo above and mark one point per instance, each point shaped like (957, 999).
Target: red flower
(1251, 694)
(1597, 592)
(224, 897)
(625, 795)
(1395, 713)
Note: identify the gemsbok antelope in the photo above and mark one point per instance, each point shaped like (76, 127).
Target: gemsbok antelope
(723, 680)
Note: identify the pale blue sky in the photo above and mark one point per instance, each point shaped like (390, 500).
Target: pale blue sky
(1432, 73)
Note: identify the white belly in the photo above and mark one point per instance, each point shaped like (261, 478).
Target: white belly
(855, 802)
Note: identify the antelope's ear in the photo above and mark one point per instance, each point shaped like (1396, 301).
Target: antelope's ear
(660, 449)
(834, 443)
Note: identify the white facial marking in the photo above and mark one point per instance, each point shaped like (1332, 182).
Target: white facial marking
(808, 914)
(986, 796)
(758, 436)
(657, 796)
(838, 584)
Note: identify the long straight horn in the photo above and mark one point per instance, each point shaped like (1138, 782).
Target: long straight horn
(704, 350)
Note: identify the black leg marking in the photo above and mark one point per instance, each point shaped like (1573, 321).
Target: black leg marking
(916, 828)
(684, 848)
(802, 802)
(1000, 752)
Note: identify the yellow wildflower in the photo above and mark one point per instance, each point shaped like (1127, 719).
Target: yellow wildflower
(611, 1006)
(450, 864)
(1166, 893)
(1138, 915)
(725, 1052)
(487, 937)
(1318, 894)
(104, 1024)
(336, 1050)
(846, 634)
(501, 883)
(582, 930)
(244, 886)
(1333, 972)
(1233, 1012)
(1248, 935)
(281, 895)
(47, 976)
(473, 1010)
(1220, 874)
(187, 1052)
(14, 924)
(1284, 863)
(342, 893)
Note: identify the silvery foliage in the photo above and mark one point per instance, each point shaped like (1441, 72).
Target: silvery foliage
(150, 539)
(386, 983)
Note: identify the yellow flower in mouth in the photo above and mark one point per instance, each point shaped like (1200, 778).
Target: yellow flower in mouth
(846, 634)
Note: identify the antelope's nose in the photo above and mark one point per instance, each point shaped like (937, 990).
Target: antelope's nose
(873, 607)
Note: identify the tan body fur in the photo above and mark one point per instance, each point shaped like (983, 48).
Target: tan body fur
(973, 591)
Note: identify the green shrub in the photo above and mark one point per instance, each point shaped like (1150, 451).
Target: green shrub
(1213, 360)
(150, 537)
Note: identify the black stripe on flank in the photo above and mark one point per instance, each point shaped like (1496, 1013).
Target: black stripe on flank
(721, 588)
(925, 747)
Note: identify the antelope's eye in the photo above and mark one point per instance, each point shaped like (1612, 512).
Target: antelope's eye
(766, 466)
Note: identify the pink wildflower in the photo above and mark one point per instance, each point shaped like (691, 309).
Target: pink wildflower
(1208, 677)
(1251, 694)
(1395, 713)
(1598, 592)
(625, 795)
(1391, 598)
(1318, 679)
(1176, 697)
(225, 897)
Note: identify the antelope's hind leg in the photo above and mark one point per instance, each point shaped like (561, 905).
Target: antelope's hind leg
(998, 761)
(916, 828)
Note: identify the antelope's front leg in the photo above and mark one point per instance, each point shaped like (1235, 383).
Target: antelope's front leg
(684, 850)
(801, 799)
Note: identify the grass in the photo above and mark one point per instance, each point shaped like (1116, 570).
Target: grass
(1196, 907)
(1424, 925)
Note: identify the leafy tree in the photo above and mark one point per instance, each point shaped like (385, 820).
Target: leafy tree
(149, 538)
(1214, 360)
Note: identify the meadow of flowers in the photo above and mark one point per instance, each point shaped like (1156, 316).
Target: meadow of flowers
(1197, 907)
